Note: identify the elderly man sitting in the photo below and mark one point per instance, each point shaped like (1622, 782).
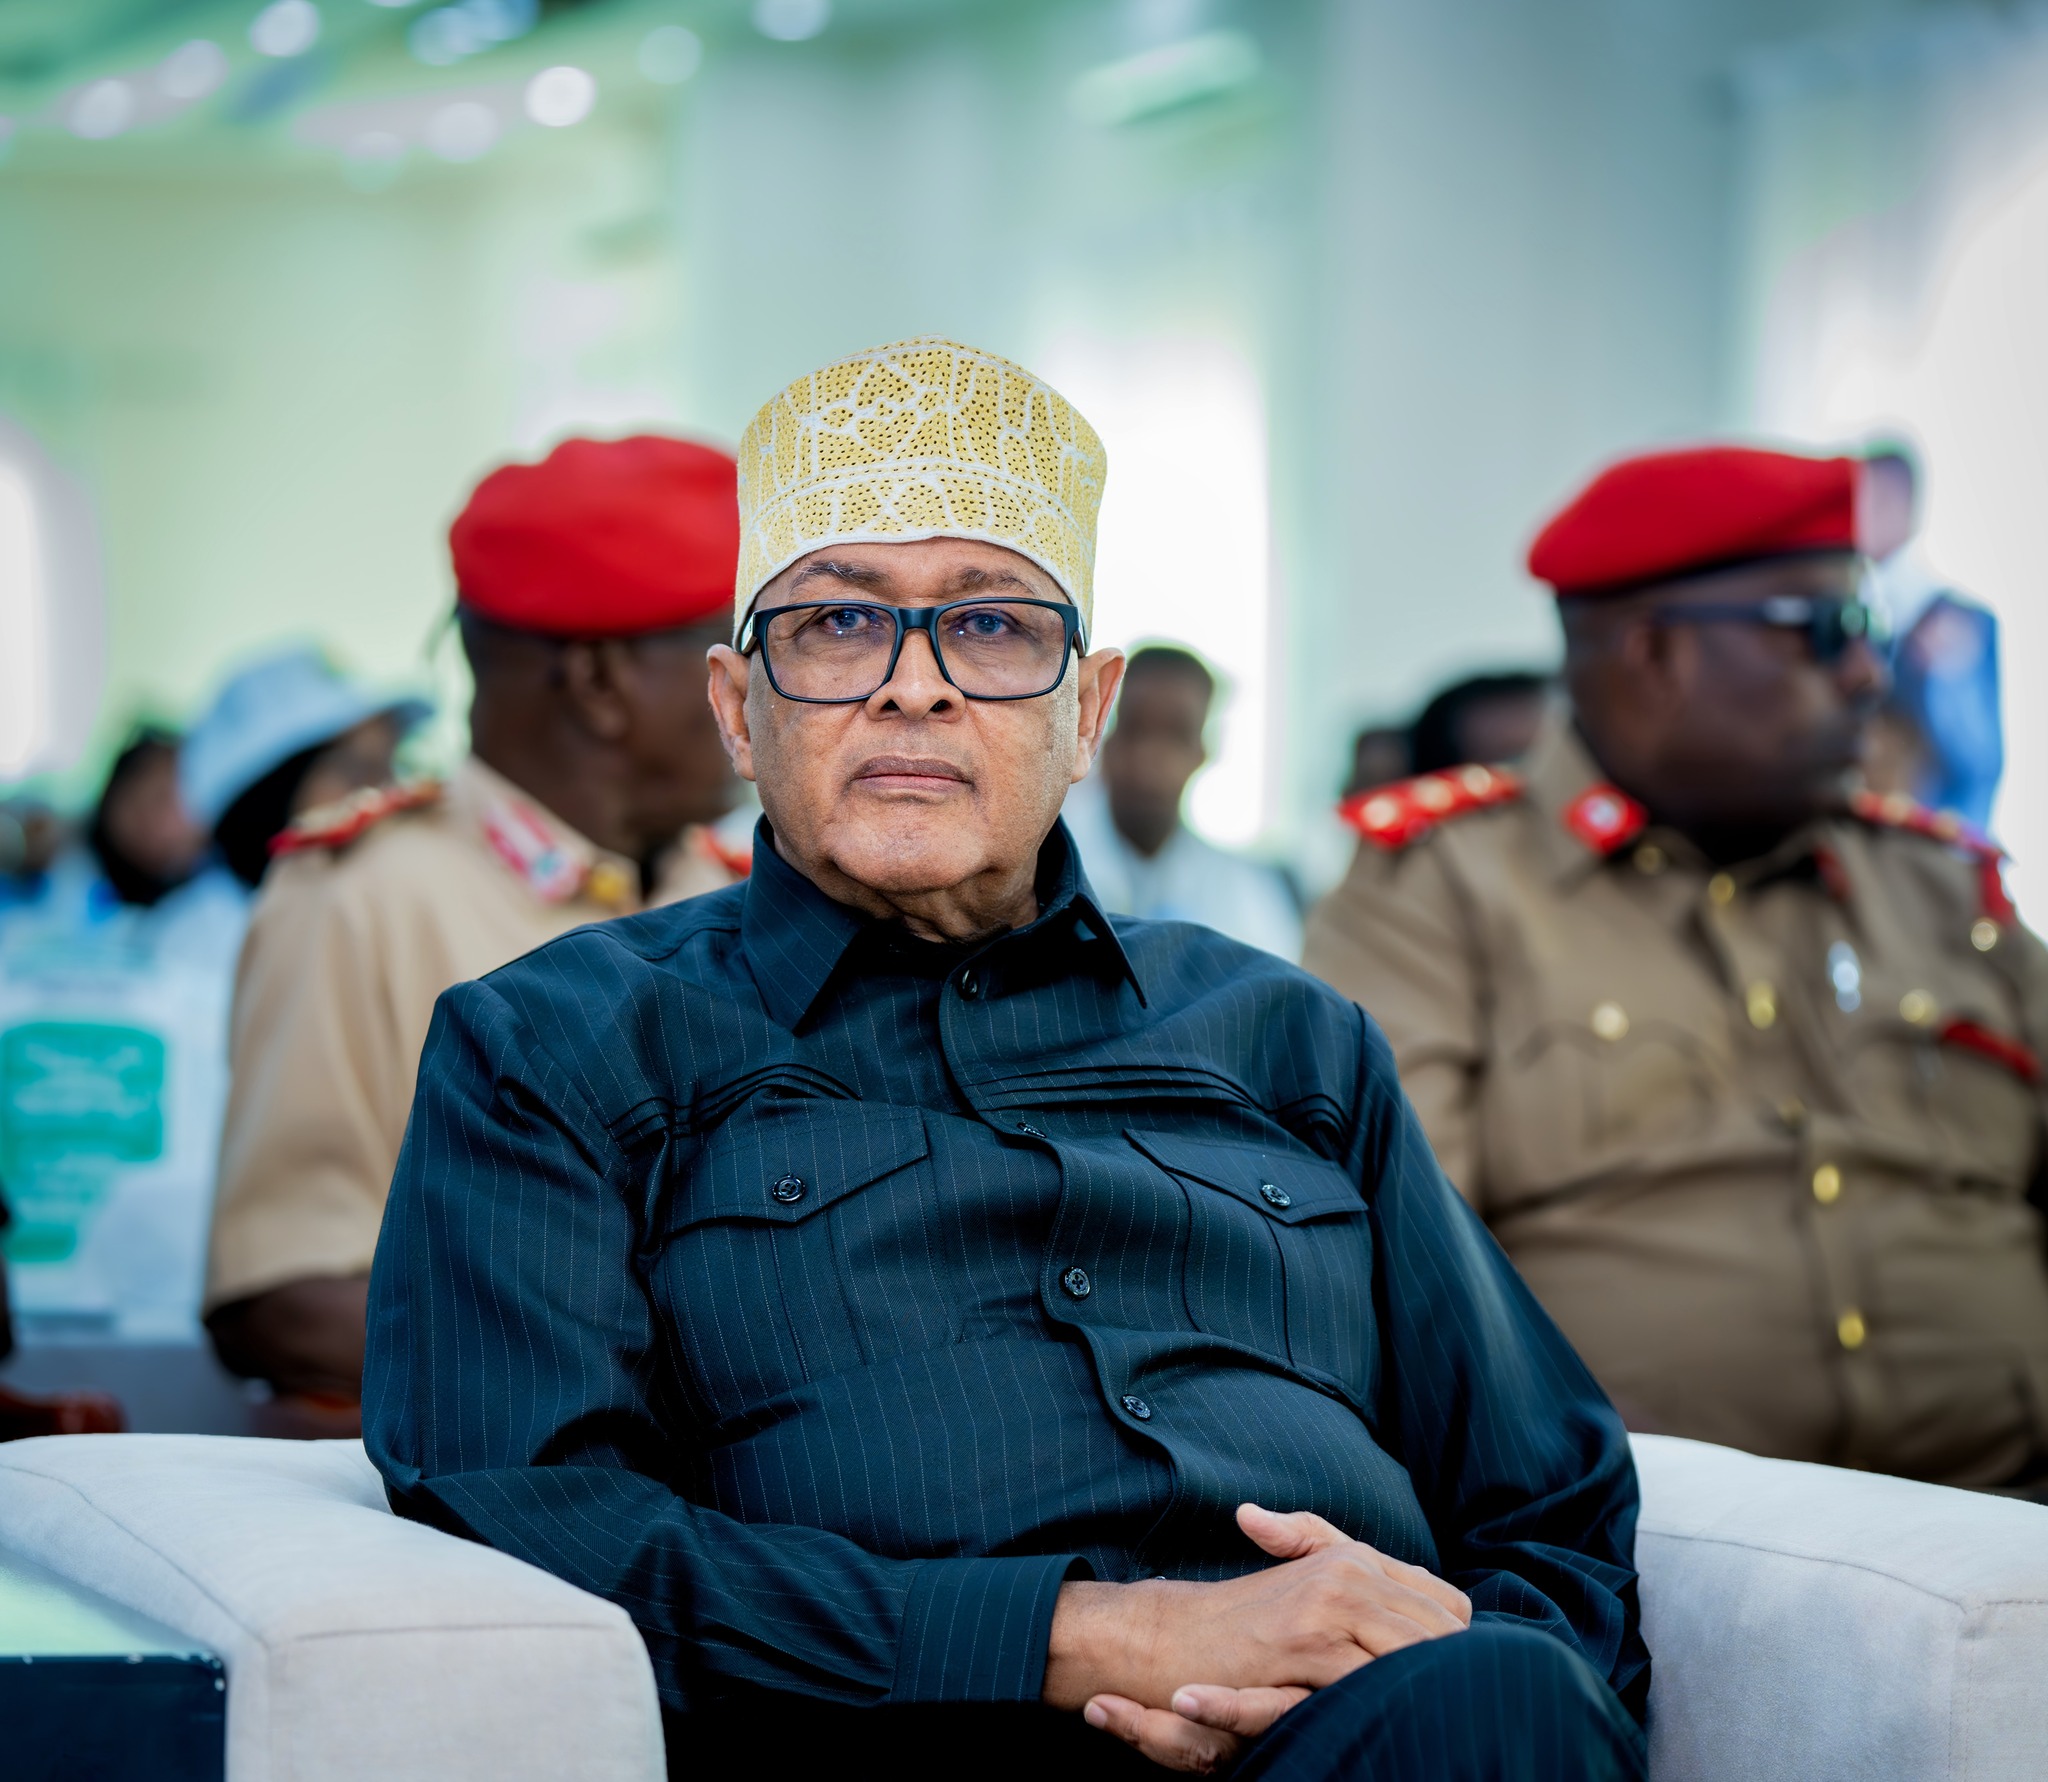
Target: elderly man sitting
(948, 1321)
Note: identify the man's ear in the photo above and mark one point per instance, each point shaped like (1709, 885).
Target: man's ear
(1100, 676)
(731, 674)
(594, 678)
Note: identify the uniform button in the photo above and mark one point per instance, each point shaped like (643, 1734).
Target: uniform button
(1649, 859)
(1076, 1282)
(1793, 1112)
(1762, 1001)
(788, 1189)
(609, 885)
(970, 985)
(1137, 1407)
(1276, 1196)
(1917, 1007)
(1827, 1184)
(1721, 888)
(1983, 934)
(1850, 1330)
(1610, 1021)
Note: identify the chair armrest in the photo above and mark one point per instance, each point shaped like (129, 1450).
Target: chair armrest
(357, 1645)
(1806, 1621)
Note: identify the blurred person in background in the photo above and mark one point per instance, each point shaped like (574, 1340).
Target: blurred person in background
(588, 587)
(1740, 1062)
(145, 840)
(1141, 857)
(1488, 718)
(1941, 737)
(1380, 754)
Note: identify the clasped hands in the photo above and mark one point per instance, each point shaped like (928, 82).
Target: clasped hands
(1128, 1655)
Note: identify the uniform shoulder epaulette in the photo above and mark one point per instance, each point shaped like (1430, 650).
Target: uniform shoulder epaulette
(1894, 810)
(336, 825)
(1395, 815)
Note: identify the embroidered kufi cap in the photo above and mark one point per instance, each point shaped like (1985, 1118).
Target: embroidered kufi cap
(920, 439)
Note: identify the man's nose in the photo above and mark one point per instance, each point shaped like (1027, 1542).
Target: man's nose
(1862, 674)
(916, 688)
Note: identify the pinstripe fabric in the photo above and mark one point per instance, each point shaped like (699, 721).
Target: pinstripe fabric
(728, 1273)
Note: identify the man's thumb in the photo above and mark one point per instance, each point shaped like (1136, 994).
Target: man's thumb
(1293, 1535)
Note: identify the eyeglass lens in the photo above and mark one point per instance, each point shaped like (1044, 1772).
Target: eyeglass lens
(989, 649)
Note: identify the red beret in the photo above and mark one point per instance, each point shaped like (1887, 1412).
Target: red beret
(602, 538)
(1667, 514)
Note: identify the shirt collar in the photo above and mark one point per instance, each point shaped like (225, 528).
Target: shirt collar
(796, 937)
(555, 863)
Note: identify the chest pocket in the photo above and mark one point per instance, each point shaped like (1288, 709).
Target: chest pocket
(1279, 1253)
(752, 1266)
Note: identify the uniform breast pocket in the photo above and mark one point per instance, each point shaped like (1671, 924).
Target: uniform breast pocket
(1279, 1253)
(752, 1269)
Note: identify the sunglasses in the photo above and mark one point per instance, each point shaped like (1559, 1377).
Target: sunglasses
(1831, 625)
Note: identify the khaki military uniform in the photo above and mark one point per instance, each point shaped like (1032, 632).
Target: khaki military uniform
(377, 907)
(1760, 1139)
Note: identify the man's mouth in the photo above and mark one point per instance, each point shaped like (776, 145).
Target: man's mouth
(909, 773)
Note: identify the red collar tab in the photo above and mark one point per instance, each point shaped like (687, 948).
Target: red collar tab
(336, 825)
(2018, 1059)
(1393, 816)
(1894, 810)
(1605, 818)
(738, 863)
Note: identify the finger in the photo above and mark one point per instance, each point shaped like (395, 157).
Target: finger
(1430, 1585)
(1167, 1739)
(1246, 1712)
(1292, 1535)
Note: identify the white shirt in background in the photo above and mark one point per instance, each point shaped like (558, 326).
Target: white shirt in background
(1188, 880)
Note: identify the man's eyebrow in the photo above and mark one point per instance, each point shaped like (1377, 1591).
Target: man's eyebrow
(974, 578)
(860, 575)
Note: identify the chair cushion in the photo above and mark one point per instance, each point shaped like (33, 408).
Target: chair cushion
(1806, 1621)
(357, 1645)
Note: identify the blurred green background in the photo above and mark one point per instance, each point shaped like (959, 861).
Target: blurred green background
(1354, 289)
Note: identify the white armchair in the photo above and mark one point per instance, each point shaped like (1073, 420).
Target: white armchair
(1805, 1622)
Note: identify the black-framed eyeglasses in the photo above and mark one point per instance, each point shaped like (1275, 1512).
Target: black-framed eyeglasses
(1831, 624)
(839, 652)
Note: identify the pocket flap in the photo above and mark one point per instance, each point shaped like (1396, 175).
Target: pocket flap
(1287, 1185)
(787, 1161)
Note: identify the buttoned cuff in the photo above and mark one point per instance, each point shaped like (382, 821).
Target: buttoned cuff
(976, 1630)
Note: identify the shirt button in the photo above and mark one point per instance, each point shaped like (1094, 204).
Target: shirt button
(788, 1189)
(1609, 1020)
(1276, 1196)
(1076, 1282)
(1762, 1000)
(970, 986)
(1827, 1184)
(1984, 934)
(1918, 1007)
(1850, 1330)
(1721, 889)
(1137, 1407)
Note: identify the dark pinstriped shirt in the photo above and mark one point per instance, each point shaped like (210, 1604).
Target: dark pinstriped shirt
(827, 1298)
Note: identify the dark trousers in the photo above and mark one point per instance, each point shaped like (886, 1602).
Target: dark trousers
(1497, 1703)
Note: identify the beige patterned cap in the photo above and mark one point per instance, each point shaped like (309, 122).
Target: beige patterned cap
(920, 439)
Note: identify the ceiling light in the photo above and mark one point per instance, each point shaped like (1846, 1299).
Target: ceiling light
(192, 70)
(285, 28)
(670, 54)
(559, 97)
(1166, 78)
(791, 21)
(464, 131)
(103, 109)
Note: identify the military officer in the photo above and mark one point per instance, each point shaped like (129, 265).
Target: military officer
(588, 587)
(1740, 1064)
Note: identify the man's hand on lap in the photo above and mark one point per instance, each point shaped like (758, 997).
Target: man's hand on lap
(1188, 1672)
